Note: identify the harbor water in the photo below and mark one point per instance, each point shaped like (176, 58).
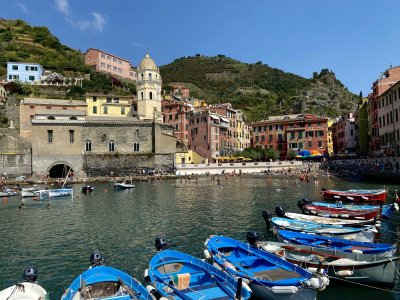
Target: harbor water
(59, 238)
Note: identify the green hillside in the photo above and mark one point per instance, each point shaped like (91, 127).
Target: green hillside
(21, 42)
(257, 88)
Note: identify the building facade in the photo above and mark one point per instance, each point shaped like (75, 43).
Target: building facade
(176, 114)
(102, 61)
(388, 119)
(24, 72)
(111, 105)
(344, 136)
(361, 127)
(291, 132)
(387, 79)
(148, 86)
(330, 137)
(3, 93)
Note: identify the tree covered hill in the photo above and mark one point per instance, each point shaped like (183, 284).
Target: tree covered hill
(257, 88)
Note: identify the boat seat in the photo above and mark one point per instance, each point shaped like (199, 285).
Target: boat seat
(243, 259)
(210, 291)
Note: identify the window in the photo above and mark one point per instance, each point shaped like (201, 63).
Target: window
(136, 147)
(270, 137)
(88, 146)
(141, 93)
(300, 145)
(103, 55)
(262, 138)
(137, 132)
(309, 144)
(105, 110)
(151, 95)
(300, 136)
(14, 67)
(71, 136)
(109, 100)
(280, 139)
(114, 59)
(50, 136)
(103, 65)
(292, 135)
(115, 69)
(95, 109)
(111, 146)
(31, 78)
(320, 143)
(150, 76)
(94, 98)
(109, 67)
(122, 110)
(270, 127)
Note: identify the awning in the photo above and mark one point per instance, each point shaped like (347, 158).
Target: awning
(214, 117)
(224, 120)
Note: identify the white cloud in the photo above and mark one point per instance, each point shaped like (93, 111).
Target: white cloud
(23, 7)
(63, 6)
(96, 24)
(137, 44)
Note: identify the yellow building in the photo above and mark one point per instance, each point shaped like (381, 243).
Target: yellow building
(189, 157)
(329, 138)
(110, 105)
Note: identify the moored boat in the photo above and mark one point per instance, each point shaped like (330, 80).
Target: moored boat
(386, 210)
(269, 276)
(364, 234)
(323, 220)
(125, 184)
(86, 189)
(29, 192)
(350, 266)
(102, 282)
(7, 192)
(314, 240)
(338, 212)
(356, 195)
(54, 193)
(26, 290)
(177, 275)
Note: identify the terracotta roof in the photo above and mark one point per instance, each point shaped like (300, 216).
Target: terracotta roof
(61, 102)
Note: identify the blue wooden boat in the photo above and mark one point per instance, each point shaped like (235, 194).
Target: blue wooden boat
(269, 276)
(178, 275)
(105, 283)
(384, 250)
(362, 234)
(386, 211)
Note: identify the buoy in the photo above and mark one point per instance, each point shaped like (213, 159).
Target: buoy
(105, 191)
(146, 275)
(357, 251)
(344, 273)
(284, 289)
(207, 254)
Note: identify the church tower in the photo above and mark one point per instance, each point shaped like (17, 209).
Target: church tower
(148, 88)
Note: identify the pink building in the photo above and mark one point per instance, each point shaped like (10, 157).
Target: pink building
(343, 134)
(105, 62)
(176, 114)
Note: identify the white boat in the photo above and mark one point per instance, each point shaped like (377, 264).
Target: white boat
(29, 192)
(126, 184)
(7, 192)
(27, 290)
(54, 193)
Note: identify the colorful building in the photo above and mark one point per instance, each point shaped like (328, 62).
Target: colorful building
(291, 132)
(388, 120)
(387, 79)
(361, 127)
(24, 72)
(176, 114)
(110, 105)
(343, 134)
(106, 62)
(330, 138)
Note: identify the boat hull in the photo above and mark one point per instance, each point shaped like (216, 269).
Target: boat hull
(356, 195)
(24, 291)
(341, 213)
(263, 292)
(55, 193)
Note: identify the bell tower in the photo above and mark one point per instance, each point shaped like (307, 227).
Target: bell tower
(148, 88)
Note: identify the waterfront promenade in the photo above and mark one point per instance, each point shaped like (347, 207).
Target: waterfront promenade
(238, 168)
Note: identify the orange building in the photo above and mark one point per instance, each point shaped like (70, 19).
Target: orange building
(176, 114)
(291, 132)
(105, 62)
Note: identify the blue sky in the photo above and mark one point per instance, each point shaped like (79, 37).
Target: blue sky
(357, 39)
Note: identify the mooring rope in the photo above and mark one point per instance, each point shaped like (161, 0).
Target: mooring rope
(365, 285)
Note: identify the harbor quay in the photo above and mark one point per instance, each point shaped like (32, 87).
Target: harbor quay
(236, 168)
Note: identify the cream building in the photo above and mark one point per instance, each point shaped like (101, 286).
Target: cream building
(148, 88)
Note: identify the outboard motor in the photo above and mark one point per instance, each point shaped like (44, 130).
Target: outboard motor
(324, 189)
(30, 274)
(302, 202)
(267, 217)
(161, 243)
(252, 237)
(280, 212)
(96, 259)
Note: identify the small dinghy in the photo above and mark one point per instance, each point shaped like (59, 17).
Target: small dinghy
(125, 184)
(351, 266)
(29, 192)
(313, 240)
(101, 282)
(364, 234)
(355, 195)
(7, 192)
(386, 210)
(269, 276)
(54, 193)
(280, 212)
(26, 290)
(338, 212)
(177, 275)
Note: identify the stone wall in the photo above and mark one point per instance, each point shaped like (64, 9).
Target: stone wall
(41, 164)
(15, 156)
